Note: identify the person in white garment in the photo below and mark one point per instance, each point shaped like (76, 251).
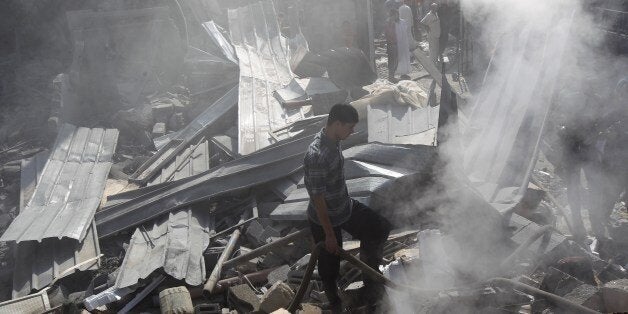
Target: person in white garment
(405, 14)
(432, 22)
(403, 49)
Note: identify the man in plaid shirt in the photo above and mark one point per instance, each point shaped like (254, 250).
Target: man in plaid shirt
(331, 209)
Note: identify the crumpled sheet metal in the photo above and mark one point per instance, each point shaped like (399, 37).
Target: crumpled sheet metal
(65, 200)
(216, 36)
(30, 304)
(174, 243)
(38, 264)
(184, 137)
(264, 68)
(269, 164)
(192, 160)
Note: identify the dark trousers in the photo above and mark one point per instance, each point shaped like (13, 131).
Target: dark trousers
(365, 225)
(391, 52)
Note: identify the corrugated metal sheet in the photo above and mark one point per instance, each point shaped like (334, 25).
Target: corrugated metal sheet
(192, 160)
(31, 170)
(183, 138)
(175, 243)
(39, 263)
(395, 124)
(31, 304)
(71, 187)
(264, 166)
(264, 68)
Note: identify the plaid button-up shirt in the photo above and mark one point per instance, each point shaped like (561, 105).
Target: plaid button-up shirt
(324, 174)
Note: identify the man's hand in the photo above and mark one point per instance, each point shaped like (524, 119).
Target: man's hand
(331, 244)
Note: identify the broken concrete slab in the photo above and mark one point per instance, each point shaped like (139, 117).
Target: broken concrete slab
(159, 129)
(243, 299)
(162, 111)
(279, 274)
(615, 296)
(279, 295)
(319, 92)
(176, 300)
(586, 295)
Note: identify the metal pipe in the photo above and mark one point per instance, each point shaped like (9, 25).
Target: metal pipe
(567, 304)
(266, 248)
(215, 276)
(222, 285)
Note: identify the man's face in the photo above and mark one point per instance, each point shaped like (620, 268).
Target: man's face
(344, 130)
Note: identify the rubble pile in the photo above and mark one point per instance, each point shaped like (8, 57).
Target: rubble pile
(170, 177)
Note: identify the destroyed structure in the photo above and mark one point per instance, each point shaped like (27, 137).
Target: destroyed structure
(151, 155)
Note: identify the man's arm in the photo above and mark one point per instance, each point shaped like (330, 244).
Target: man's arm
(316, 178)
(320, 206)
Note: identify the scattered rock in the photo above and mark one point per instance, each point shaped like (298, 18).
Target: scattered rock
(615, 295)
(243, 299)
(278, 296)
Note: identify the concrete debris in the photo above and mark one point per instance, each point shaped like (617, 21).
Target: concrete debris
(615, 295)
(176, 300)
(159, 129)
(320, 92)
(588, 296)
(192, 121)
(278, 296)
(243, 299)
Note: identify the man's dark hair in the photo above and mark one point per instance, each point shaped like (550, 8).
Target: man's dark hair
(343, 113)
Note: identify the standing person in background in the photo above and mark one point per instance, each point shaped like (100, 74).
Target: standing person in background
(391, 43)
(348, 35)
(405, 14)
(397, 47)
(432, 21)
(403, 48)
(417, 12)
